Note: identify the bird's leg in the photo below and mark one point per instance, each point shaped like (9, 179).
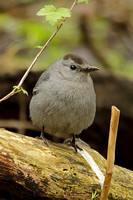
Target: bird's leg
(73, 143)
(43, 137)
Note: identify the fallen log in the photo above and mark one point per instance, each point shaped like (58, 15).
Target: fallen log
(29, 169)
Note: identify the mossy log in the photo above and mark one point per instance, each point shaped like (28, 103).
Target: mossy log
(29, 169)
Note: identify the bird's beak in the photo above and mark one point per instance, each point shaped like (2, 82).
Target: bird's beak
(90, 69)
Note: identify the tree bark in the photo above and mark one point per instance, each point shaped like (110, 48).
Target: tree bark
(31, 170)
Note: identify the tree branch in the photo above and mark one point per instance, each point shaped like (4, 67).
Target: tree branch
(31, 170)
(36, 58)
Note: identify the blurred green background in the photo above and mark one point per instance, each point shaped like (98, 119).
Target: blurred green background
(101, 31)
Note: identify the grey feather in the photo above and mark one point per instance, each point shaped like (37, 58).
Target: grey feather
(64, 100)
(44, 77)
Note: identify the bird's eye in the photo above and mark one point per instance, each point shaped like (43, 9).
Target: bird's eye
(72, 67)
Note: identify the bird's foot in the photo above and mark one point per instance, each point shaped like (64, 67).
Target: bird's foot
(72, 142)
(43, 138)
(74, 145)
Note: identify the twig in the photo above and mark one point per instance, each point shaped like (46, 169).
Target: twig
(36, 58)
(111, 151)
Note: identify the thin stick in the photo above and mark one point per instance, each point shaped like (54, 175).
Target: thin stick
(36, 58)
(111, 151)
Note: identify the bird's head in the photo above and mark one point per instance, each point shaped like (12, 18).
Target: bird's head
(75, 67)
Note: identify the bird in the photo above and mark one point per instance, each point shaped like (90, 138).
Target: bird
(64, 99)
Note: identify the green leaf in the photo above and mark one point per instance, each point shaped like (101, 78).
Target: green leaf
(94, 195)
(20, 89)
(39, 47)
(24, 91)
(64, 12)
(83, 1)
(46, 10)
(54, 15)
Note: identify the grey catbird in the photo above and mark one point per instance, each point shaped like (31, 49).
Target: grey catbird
(64, 99)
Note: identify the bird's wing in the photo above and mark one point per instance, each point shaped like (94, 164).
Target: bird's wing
(44, 77)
